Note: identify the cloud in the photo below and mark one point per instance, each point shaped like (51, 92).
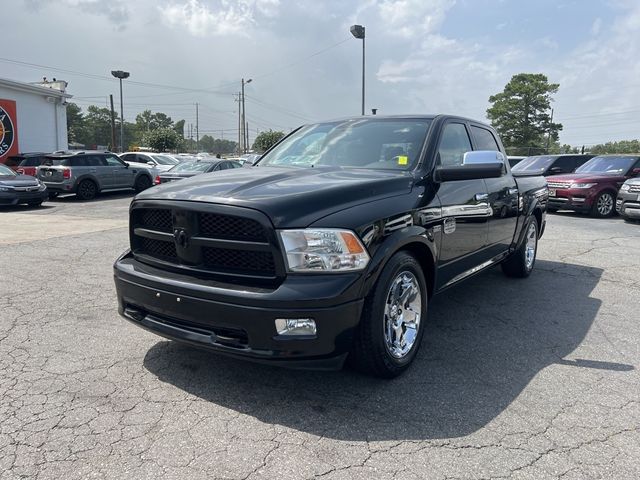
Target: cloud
(116, 11)
(412, 18)
(226, 17)
(596, 26)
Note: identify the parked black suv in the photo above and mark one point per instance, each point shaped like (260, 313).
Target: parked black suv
(332, 245)
(552, 164)
(87, 173)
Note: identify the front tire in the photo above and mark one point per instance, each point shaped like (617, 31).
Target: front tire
(520, 264)
(604, 206)
(35, 204)
(393, 319)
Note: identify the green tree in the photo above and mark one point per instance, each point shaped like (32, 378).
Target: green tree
(224, 146)
(76, 129)
(206, 143)
(521, 113)
(622, 146)
(162, 139)
(265, 140)
(179, 127)
(97, 122)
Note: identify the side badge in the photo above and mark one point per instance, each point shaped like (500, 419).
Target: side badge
(449, 225)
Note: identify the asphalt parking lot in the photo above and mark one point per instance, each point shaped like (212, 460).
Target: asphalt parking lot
(534, 378)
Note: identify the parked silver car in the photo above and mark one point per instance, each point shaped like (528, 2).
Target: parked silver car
(87, 173)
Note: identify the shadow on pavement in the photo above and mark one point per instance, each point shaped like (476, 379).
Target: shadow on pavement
(485, 341)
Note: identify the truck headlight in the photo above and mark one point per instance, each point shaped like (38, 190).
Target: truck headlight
(624, 187)
(5, 188)
(323, 250)
(582, 185)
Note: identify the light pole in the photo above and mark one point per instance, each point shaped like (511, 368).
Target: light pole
(119, 74)
(245, 135)
(358, 32)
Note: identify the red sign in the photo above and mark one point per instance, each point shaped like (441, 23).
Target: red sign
(8, 129)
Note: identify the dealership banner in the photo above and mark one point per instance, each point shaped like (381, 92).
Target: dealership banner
(8, 129)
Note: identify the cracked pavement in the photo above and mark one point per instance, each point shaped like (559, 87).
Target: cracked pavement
(516, 379)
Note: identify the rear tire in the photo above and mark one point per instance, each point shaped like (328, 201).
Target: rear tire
(393, 319)
(53, 194)
(552, 210)
(604, 205)
(520, 264)
(142, 183)
(87, 190)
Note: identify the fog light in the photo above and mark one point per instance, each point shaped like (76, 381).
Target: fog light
(578, 199)
(295, 326)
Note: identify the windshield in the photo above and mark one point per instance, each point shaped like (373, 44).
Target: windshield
(4, 171)
(361, 143)
(164, 160)
(191, 167)
(539, 162)
(609, 165)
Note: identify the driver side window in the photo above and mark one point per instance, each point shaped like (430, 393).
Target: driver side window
(454, 143)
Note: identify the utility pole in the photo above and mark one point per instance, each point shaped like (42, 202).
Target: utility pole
(239, 124)
(245, 135)
(113, 124)
(549, 132)
(246, 143)
(197, 130)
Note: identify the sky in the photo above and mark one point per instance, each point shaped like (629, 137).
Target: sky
(422, 56)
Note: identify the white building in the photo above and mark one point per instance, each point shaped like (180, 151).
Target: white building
(41, 114)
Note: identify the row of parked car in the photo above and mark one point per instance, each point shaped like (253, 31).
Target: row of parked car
(35, 177)
(599, 185)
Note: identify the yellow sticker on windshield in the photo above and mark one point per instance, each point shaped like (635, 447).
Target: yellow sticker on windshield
(403, 160)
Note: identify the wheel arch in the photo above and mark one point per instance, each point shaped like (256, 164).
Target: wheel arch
(91, 178)
(412, 240)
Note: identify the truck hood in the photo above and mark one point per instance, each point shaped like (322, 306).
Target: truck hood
(291, 197)
(586, 178)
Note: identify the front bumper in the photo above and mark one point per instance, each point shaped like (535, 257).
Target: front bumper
(628, 204)
(578, 200)
(15, 198)
(240, 321)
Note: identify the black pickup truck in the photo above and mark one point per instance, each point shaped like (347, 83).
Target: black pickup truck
(332, 245)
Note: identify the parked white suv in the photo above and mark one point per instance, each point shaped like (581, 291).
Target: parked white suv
(157, 161)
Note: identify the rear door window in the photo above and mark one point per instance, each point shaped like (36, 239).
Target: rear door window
(79, 162)
(484, 139)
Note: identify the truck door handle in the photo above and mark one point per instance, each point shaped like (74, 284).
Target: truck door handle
(481, 196)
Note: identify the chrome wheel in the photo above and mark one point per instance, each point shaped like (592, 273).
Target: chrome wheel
(605, 204)
(402, 314)
(530, 246)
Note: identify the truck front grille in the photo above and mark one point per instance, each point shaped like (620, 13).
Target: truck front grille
(234, 243)
(634, 189)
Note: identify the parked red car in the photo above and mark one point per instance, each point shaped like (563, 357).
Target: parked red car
(26, 163)
(594, 186)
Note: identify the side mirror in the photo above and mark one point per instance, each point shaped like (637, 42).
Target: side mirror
(556, 170)
(635, 172)
(469, 172)
(483, 156)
